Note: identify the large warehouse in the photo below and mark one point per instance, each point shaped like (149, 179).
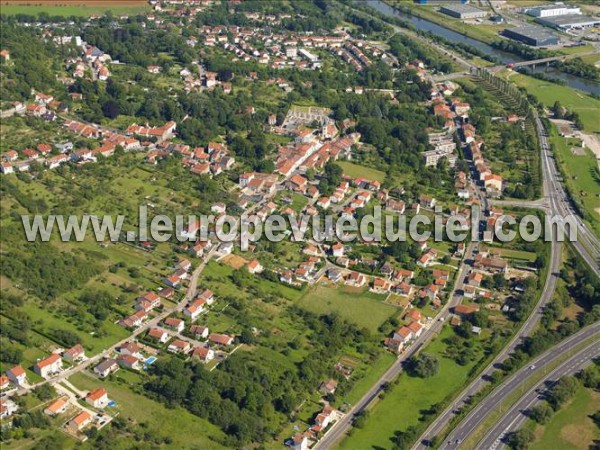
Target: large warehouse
(569, 22)
(463, 11)
(557, 9)
(534, 36)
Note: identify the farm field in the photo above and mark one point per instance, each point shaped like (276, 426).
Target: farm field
(570, 428)
(547, 92)
(362, 308)
(356, 170)
(403, 404)
(72, 7)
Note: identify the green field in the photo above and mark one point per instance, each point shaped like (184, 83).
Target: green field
(580, 176)
(547, 92)
(74, 10)
(571, 428)
(403, 405)
(186, 430)
(356, 171)
(362, 308)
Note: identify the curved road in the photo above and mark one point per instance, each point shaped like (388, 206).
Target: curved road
(515, 416)
(339, 428)
(476, 385)
(492, 401)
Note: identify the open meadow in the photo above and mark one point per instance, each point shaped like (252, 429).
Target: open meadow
(69, 8)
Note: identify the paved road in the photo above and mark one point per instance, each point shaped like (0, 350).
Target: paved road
(476, 385)
(339, 428)
(492, 401)
(533, 62)
(190, 293)
(514, 417)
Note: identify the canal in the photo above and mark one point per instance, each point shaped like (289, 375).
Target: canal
(419, 23)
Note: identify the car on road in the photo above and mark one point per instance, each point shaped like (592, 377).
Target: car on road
(532, 367)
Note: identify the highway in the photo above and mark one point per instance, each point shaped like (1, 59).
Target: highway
(476, 416)
(339, 428)
(514, 418)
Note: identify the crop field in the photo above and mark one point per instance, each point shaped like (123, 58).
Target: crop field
(72, 7)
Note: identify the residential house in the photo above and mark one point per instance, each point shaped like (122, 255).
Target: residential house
(199, 331)
(106, 367)
(48, 366)
(337, 249)
(98, 398)
(356, 279)
(158, 334)
(80, 421)
(57, 407)
(465, 310)
(194, 309)
(416, 328)
(174, 324)
(328, 387)
(75, 353)
(403, 334)
(220, 339)
(130, 349)
(17, 375)
(179, 346)
(300, 442)
(208, 295)
(204, 354)
(128, 362)
(254, 266)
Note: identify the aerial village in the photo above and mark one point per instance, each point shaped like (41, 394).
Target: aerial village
(315, 140)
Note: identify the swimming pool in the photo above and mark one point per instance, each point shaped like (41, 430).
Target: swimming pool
(112, 403)
(150, 359)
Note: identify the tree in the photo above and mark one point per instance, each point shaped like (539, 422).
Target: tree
(422, 365)
(541, 413)
(110, 109)
(520, 440)
(562, 391)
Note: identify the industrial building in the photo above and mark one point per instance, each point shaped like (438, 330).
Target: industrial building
(557, 9)
(530, 35)
(436, 2)
(461, 11)
(569, 22)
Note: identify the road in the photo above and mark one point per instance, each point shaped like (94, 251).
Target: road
(339, 428)
(533, 62)
(514, 418)
(476, 416)
(190, 293)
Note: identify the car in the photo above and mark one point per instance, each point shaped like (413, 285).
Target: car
(532, 367)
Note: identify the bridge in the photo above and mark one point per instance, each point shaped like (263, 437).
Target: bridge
(547, 61)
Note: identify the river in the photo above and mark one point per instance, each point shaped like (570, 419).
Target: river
(581, 84)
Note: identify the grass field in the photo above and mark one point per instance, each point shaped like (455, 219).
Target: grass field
(579, 177)
(364, 309)
(69, 8)
(356, 170)
(571, 428)
(186, 430)
(403, 405)
(547, 92)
